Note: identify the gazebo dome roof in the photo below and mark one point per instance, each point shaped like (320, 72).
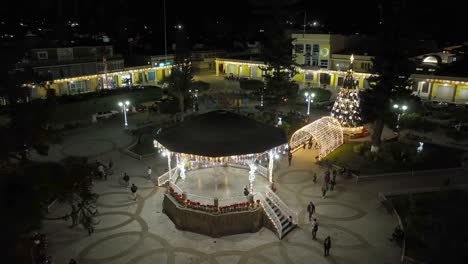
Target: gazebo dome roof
(221, 133)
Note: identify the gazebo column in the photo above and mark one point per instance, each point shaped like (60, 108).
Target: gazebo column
(253, 169)
(271, 157)
(169, 164)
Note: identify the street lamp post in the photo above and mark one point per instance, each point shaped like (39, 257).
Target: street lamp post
(309, 98)
(401, 110)
(194, 94)
(124, 106)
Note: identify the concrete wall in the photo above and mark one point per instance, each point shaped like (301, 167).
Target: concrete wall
(214, 225)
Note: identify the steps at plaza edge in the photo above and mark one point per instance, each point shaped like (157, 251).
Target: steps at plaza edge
(286, 226)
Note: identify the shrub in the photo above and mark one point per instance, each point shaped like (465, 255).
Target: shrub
(200, 86)
(251, 85)
(359, 149)
(416, 122)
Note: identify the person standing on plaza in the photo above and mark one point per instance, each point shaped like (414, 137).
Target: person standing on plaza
(149, 172)
(304, 145)
(315, 178)
(335, 173)
(126, 179)
(310, 143)
(314, 229)
(311, 210)
(134, 189)
(327, 246)
(100, 169)
(289, 158)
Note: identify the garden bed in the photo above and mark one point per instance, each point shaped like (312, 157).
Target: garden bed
(434, 224)
(394, 157)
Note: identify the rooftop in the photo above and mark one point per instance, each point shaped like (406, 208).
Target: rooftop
(219, 134)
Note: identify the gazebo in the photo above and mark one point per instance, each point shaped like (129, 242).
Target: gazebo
(227, 141)
(220, 138)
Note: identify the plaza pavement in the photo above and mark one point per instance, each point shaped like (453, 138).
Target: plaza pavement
(138, 232)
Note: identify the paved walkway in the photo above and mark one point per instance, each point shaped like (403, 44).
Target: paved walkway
(138, 232)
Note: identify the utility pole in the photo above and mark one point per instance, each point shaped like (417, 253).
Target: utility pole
(165, 33)
(305, 24)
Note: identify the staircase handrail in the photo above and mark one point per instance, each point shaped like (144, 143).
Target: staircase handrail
(271, 214)
(286, 210)
(165, 177)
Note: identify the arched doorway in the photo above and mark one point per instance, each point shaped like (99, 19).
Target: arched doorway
(326, 131)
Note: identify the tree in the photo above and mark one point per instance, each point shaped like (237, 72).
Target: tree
(181, 78)
(390, 74)
(73, 186)
(279, 61)
(346, 108)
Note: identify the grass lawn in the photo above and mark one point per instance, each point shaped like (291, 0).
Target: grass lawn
(389, 160)
(65, 113)
(435, 225)
(145, 146)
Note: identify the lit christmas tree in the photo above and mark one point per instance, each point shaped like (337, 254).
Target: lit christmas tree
(346, 108)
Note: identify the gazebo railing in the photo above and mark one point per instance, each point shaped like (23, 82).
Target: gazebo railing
(165, 177)
(238, 165)
(175, 187)
(200, 199)
(223, 201)
(271, 214)
(286, 210)
(262, 171)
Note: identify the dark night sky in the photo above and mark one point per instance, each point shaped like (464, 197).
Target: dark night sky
(442, 22)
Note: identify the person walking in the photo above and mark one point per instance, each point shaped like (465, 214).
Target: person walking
(134, 189)
(311, 210)
(126, 179)
(149, 173)
(332, 184)
(289, 158)
(314, 229)
(304, 145)
(327, 246)
(310, 143)
(327, 179)
(324, 190)
(111, 167)
(315, 178)
(334, 174)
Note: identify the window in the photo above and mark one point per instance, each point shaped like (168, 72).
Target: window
(315, 62)
(308, 48)
(77, 87)
(323, 63)
(299, 48)
(42, 55)
(316, 48)
(307, 60)
(425, 87)
(309, 77)
(365, 65)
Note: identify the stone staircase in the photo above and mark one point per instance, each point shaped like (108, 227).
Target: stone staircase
(283, 218)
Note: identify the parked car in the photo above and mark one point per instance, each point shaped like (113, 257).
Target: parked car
(106, 114)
